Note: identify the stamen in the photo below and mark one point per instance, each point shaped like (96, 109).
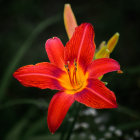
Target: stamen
(74, 77)
(72, 74)
(71, 81)
(66, 66)
(69, 73)
(75, 64)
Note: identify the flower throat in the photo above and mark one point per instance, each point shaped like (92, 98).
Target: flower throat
(72, 70)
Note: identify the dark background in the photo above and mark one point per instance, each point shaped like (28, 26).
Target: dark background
(25, 25)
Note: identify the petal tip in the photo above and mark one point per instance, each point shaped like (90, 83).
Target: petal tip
(86, 24)
(120, 71)
(115, 105)
(51, 39)
(117, 34)
(52, 130)
(15, 74)
(90, 27)
(67, 5)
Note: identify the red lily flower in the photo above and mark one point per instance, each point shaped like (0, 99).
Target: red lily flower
(72, 71)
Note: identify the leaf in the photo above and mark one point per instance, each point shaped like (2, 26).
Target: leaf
(17, 130)
(20, 53)
(128, 126)
(128, 111)
(38, 103)
(37, 126)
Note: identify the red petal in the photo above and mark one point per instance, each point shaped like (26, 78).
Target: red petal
(81, 47)
(55, 51)
(101, 66)
(96, 95)
(58, 109)
(42, 75)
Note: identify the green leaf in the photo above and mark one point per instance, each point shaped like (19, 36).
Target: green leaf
(37, 103)
(128, 111)
(37, 126)
(17, 130)
(128, 126)
(20, 53)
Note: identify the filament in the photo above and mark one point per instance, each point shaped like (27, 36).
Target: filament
(72, 73)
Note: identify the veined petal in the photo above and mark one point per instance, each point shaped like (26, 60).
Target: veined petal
(69, 20)
(55, 51)
(42, 75)
(96, 95)
(58, 109)
(102, 66)
(81, 47)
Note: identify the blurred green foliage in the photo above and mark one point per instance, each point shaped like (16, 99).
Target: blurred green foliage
(24, 28)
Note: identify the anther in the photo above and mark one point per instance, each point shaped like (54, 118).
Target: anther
(67, 68)
(75, 64)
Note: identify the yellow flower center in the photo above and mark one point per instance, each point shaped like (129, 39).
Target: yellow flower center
(74, 80)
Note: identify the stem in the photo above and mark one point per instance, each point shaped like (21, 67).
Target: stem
(77, 108)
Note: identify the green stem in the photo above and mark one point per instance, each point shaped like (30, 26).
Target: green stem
(63, 132)
(77, 108)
